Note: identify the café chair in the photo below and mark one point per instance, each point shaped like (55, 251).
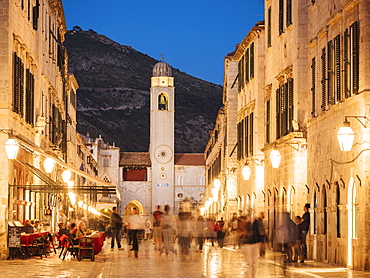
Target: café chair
(86, 248)
(38, 247)
(68, 247)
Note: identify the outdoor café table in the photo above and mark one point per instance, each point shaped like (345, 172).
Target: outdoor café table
(28, 239)
(98, 241)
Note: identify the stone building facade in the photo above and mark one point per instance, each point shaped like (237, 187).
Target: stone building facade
(38, 114)
(338, 40)
(314, 76)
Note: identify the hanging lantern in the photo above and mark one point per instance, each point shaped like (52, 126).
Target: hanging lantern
(246, 172)
(346, 136)
(217, 183)
(11, 147)
(66, 176)
(275, 158)
(49, 165)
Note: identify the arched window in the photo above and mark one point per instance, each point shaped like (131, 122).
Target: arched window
(162, 102)
(283, 200)
(338, 208)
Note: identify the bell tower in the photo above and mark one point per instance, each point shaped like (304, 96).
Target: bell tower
(162, 135)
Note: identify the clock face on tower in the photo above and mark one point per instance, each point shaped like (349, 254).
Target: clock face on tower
(163, 154)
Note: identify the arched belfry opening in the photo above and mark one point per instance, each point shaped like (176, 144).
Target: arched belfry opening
(162, 102)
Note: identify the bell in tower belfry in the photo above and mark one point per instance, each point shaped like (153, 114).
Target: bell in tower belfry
(162, 102)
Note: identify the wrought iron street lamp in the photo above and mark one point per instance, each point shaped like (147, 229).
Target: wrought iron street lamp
(11, 147)
(49, 165)
(246, 172)
(66, 176)
(275, 158)
(346, 136)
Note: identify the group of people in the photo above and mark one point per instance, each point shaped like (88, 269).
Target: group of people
(292, 234)
(134, 223)
(31, 226)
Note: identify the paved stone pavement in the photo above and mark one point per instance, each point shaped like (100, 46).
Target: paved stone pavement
(213, 262)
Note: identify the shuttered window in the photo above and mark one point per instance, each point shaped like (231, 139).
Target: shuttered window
(18, 85)
(240, 145)
(269, 27)
(57, 126)
(250, 135)
(268, 121)
(354, 30)
(240, 75)
(337, 69)
(323, 78)
(284, 109)
(278, 114)
(247, 65)
(35, 15)
(245, 136)
(288, 13)
(290, 104)
(313, 87)
(281, 17)
(330, 73)
(351, 60)
(30, 96)
(251, 60)
(347, 64)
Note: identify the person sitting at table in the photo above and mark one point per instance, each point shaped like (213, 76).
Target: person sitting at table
(81, 230)
(37, 226)
(72, 229)
(27, 228)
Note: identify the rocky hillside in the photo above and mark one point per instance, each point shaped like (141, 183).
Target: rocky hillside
(113, 98)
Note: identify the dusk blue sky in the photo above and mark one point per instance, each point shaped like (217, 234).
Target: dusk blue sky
(193, 35)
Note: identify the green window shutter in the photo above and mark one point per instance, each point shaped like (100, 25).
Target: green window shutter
(288, 12)
(252, 60)
(15, 82)
(245, 136)
(338, 94)
(269, 27)
(313, 87)
(346, 68)
(330, 73)
(323, 78)
(290, 104)
(281, 17)
(246, 65)
(278, 120)
(285, 109)
(251, 134)
(35, 15)
(355, 56)
(239, 143)
(268, 119)
(240, 75)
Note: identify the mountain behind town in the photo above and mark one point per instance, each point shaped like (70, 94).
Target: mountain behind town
(114, 95)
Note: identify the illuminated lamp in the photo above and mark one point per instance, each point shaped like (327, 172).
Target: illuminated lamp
(246, 172)
(275, 158)
(11, 147)
(66, 175)
(346, 136)
(49, 165)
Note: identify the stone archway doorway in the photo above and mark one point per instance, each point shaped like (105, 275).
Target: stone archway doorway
(134, 203)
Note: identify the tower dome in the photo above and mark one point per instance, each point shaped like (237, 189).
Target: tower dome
(162, 69)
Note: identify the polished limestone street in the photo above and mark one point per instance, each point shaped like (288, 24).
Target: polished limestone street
(213, 262)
